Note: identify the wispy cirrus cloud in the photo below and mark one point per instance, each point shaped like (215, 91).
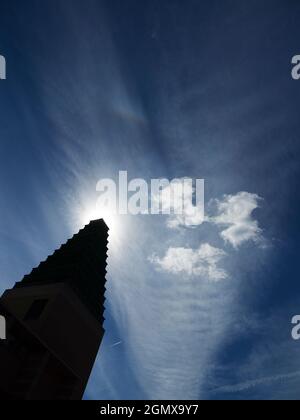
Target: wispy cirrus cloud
(246, 385)
(203, 261)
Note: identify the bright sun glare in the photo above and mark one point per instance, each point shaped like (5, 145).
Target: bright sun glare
(90, 213)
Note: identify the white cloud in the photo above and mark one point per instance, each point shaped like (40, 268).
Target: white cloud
(199, 262)
(235, 213)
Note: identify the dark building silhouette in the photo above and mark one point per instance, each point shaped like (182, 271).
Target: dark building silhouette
(54, 320)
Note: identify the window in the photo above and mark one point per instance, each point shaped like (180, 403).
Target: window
(36, 310)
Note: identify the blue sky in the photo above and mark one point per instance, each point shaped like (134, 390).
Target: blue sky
(163, 89)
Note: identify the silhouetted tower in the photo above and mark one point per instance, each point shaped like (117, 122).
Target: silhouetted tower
(55, 321)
